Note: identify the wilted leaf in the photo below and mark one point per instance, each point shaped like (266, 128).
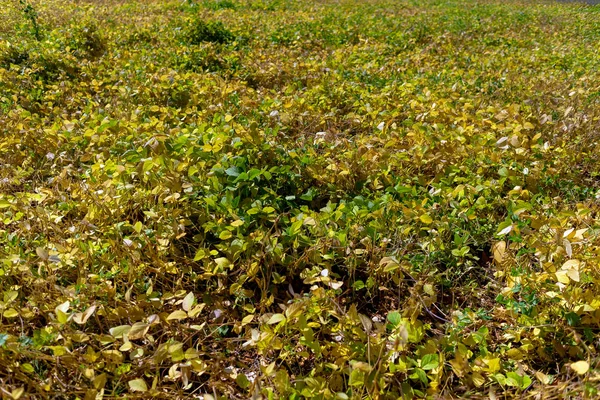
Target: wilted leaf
(17, 393)
(81, 318)
(138, 331)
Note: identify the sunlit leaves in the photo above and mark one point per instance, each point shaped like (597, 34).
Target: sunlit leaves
(81, 318)
(345, 200)
(188, 301)
(580, 367)
(138, 385)
(275, 319)
(177, 315)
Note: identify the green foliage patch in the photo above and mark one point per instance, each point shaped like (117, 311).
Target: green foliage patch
(200, 31)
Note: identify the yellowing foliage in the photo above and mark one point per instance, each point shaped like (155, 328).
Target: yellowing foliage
(295, 199)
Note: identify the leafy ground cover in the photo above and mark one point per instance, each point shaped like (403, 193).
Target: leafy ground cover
(272, 199)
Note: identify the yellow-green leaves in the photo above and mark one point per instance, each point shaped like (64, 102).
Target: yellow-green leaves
(138, 385)
(177, 315)
(119, 331)
(426, 219)
(10, 313)
(61, 311)
(138, 227)
(275, 319)
(188, 302)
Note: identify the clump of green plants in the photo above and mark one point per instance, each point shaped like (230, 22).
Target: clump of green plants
(200, 31)
(220, 5)
(31, 15)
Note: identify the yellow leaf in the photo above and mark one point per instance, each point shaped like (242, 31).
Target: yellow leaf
(10, 296)
(61, 317)
(177, 315)
(247, 319)
(478, 379)
(573, 274)
(579, 233)
(42, 253)
(225, 235)
(568, 233)
(193, 313)
(581, 367)
(137, 227)
(126, 346)
(81, 318)
(188, 301)
(562, 277)
(17, 393)
(119, 331)
(426, 219)
(64, 307)
(493, 364)
(10, 313)
(138, 331)
(138, 385)
(498, 251)
(99, 381)
(571, 264)
(237, 223)
(545, 379)
(275, 318)
(268, 370)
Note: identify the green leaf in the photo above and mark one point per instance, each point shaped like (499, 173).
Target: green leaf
(242, 381)
(27, 368)
(514, 379)
(224, 235)
(429, 361)
(394, 318)
(232, 171)
(138, 227)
